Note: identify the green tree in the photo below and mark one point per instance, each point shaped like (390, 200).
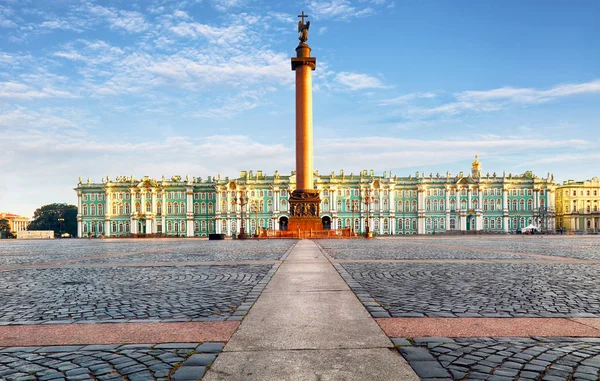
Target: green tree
(47, 218)
(5, 229)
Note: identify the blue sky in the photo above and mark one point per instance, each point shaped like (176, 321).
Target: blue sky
(96, 88)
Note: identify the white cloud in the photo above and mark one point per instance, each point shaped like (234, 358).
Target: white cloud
(357, 81)
(59, 24)
(406, 98)
(226, 5)
(322, 30)
(131, 21)
(491, 100)
(227, 35)
(337, 9)
(20, 91)
(529, 95)
(181, 14)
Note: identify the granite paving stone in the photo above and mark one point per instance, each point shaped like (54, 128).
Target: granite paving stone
(499, 359)
(124, 363)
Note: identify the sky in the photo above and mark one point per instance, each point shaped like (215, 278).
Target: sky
(201, 87)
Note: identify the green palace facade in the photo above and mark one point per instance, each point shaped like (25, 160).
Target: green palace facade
(389, 204)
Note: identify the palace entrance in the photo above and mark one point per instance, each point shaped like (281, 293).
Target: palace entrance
(326, 223)
(283, 223)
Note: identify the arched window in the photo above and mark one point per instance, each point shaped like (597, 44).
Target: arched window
(85, 227)
(428, 224)
(428, 206)
(169, 209)
(406, 206)
(262, 206)
(114, 227)
(284, 207)
(492, 224)
(148, 207)
(269, 206)
(159, 208)
(475, 204)
(210, 208)
(100, 210)
(530, 204)
(414, 206)
(400, 206)
(414, 224)
(169, 226)
(376, 224)
(85, 210)
(197, 208)
(435, 205)
(100, 227)
(93, 209)
(121, 227)
(522, 205)
(114, 208)
(196, 226)
(485, 205)
(326, 205)
(463, 204)
(347, 205)
(442, 205)
(499, 223)
(486, 223)
(442, 224)
(452, 205)
(386, 224)
(138, 208)
(339, 205)
(176, 205)
(376, 205)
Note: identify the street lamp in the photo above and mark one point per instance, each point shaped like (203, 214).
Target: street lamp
(518, 221)
(243, 200)
(60, 221)
(368, 200)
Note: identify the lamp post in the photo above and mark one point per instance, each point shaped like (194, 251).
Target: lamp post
(368, 200)
(243, 200)
(518, 222)
(60, 222)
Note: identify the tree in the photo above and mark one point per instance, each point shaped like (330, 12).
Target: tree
(5, 229)
(47, 218)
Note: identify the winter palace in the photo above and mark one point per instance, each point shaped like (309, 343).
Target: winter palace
(389, 204)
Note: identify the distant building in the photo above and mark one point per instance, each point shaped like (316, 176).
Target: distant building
(389, 204)
(17, 223)
(578, 205)
(35, 234)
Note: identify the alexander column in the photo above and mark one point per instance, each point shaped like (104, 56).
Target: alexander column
(304, 201)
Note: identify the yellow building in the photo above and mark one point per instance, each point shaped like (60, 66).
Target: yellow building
(578, 206)
(17, 223)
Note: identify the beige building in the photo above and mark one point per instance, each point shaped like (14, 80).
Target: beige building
(17, 223)
(578, 206)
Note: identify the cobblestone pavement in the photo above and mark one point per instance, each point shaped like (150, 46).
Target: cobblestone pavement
(113, 293)
(481, 290)
(139, 362)
(505, 247)
(503, 359)
(13, 252)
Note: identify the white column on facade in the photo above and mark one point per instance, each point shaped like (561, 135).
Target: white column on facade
(276, 201)
(228, 226)
(217, 226)
(393, 225)
(164, 212)
(392, 201)
(148, 226)
(505, 218)
(468, 198)
(218, 206)
(143, 202)
(333, 198)
(362, 223)
(107, 213)
(420, 200)
(189, 215)
(79, 214)
(380, 225)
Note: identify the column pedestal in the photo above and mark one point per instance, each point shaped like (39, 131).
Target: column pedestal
(304, 211)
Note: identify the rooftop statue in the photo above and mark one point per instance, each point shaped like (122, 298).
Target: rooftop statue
(303, 28)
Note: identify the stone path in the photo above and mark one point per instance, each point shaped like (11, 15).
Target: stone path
(308, 325)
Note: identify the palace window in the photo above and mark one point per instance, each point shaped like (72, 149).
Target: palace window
(522, 205)
(93, 210)
(100, 209)
(435, 225)
(442, 205)
(202, 208)
(529, 204)
(176, 206)
(463, 192)
(428, 206)
(428, 224)
(196, 196)
(169, 226)
(197, 208)
(339, 205)
(203, 224)
(85, 227)
(385, 205)
(210, 208)
(148, 207)
(376, 224)
(400, 206)
(138, 208)
(485, 205)
(158, 209)
(196, 227)
(463, 204)
(486, 223)
(85, 210)
(435, 205)
(347, 205)
(182, 224)
(414, 206)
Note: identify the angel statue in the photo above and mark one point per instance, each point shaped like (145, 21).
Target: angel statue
(303, 28)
